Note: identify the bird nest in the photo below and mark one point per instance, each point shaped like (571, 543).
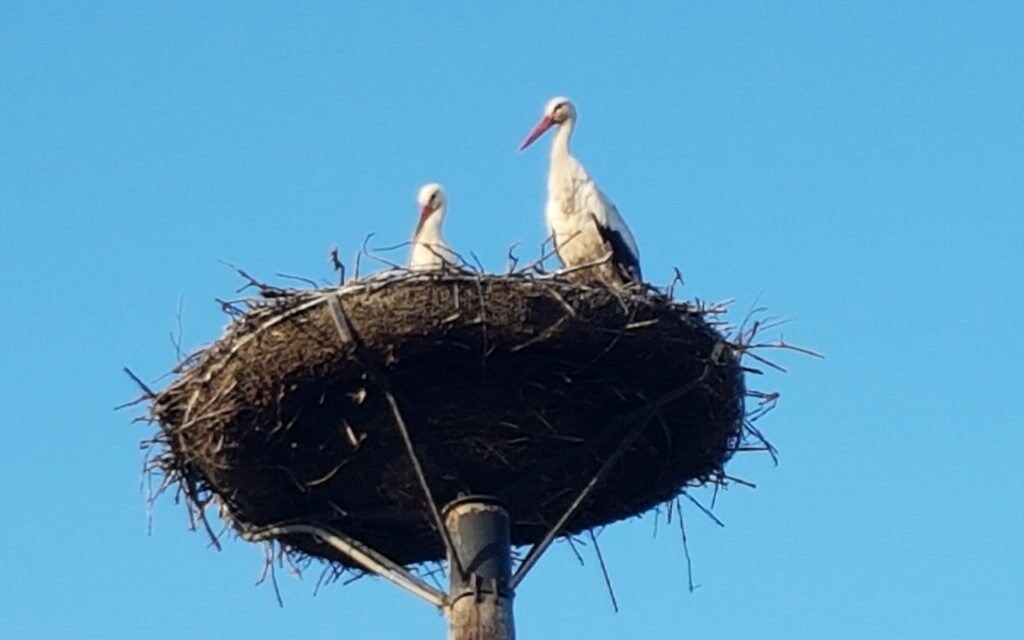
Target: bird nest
(310, 405)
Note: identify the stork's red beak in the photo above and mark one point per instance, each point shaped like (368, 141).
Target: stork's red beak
(424, 214)
(542, 126)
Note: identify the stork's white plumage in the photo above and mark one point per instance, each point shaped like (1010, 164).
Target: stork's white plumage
(584, 224)
(429, 250)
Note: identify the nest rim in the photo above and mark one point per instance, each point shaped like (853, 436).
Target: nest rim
(202, 486)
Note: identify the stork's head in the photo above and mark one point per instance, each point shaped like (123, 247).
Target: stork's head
(557, 111)
(431, 200)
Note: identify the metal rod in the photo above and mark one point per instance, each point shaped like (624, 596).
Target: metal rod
(378, 378)
(371, 560)
(456, 563)
(643, 418)
(538, 549)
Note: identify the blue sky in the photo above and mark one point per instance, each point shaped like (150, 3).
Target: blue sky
(857, 169)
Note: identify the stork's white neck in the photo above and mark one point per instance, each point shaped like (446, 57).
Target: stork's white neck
(430, 230)
(560, 143)
(565, 171)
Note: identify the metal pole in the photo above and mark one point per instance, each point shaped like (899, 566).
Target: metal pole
(480, 598)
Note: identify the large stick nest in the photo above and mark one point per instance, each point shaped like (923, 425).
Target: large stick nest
(510, 386)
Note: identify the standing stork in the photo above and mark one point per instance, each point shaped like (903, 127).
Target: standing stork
(430, 252)
(585, 225)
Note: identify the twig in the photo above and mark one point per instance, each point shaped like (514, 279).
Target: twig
(200, 506)
(605, 259)
(513, 259)
(298, 279)
(268, 570)
(142, 385)
(266, 290)
(604, 571)
(741, 481)
(337, 265)
(176, 341)
(747, 352)
(670, 291)
(706, 511)
(327, 575)
(765, 403)
(359, 259)
(444, 254)
(365, 251)
(575, 551)
(479, 265)
(392, 247)
(714, 493)
(538, 264)
(543, 336)
(557, 296)
(132, 403)
(641, 324)
(686, 548)
(782, 344)
(230, 307)
(772, 451)
(754, 309)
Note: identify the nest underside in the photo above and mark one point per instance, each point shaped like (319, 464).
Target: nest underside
(513, 387)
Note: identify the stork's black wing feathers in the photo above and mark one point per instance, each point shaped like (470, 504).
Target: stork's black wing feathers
(625, 262)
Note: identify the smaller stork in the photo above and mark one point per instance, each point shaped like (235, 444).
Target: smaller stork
(585, 225)
(430, 252)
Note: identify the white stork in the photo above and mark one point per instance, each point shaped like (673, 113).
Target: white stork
(584, 224)
(430, 252)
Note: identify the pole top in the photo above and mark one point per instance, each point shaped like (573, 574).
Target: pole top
(471, 501)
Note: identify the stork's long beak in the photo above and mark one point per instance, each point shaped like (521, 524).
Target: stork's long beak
(424, 214)
(542, 126)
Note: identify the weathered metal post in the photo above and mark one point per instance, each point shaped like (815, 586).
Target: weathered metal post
(479, 605)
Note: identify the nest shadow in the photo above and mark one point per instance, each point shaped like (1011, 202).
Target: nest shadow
(511, 386)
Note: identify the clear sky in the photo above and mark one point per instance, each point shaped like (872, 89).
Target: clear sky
(855, 168)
